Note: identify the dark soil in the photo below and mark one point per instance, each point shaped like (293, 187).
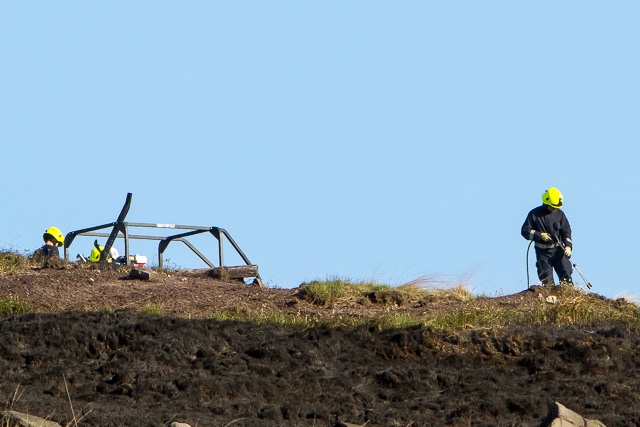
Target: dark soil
(93, 355)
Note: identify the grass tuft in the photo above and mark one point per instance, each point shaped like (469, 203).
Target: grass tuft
(335, 291)
(13, 305)
(326, 293)
(572, 308)
(153, 309)
(12, 262)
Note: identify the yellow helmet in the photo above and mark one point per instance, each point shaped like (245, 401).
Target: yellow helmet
(95, 254)
(54, 234)
(552, 197)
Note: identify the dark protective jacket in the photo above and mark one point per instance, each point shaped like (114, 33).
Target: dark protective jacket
(46, 252)
(554, 222)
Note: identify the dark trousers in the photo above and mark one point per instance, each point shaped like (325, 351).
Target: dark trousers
(552, 259)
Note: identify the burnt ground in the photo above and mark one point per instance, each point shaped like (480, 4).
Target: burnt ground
(90, 352)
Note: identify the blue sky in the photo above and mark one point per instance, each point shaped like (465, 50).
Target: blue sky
(364, 140)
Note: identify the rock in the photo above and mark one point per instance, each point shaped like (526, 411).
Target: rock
(560, 416)
(19, 419)
(552, 299)
(136, 274)
(174, 424)
(559, 422)
(568, 415)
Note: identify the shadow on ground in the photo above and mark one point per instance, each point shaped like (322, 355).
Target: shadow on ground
(126, 368)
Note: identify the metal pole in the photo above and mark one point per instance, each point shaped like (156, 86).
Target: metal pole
(583, 278)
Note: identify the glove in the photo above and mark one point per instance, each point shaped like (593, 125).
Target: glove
(546, 237)
(567, 251)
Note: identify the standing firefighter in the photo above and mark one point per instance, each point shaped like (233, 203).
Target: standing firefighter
(549, 228)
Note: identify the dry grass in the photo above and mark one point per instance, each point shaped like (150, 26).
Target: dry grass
(153, 309)
(304, 320)
(8, 420)
(573, 306)
(5, 421)
(13, 305)
(424, 289)
(13, 262)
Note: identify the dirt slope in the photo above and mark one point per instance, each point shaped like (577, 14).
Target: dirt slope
(124, 368)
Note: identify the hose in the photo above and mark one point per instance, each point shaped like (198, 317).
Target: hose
(528, 247)
(586, 282)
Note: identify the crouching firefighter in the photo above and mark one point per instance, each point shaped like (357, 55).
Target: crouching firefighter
(549, 228)
(53, 239)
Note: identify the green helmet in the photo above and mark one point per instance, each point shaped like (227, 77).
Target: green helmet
(552, 197)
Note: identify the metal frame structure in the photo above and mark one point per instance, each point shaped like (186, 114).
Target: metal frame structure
(120, 229)
(164, 241)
